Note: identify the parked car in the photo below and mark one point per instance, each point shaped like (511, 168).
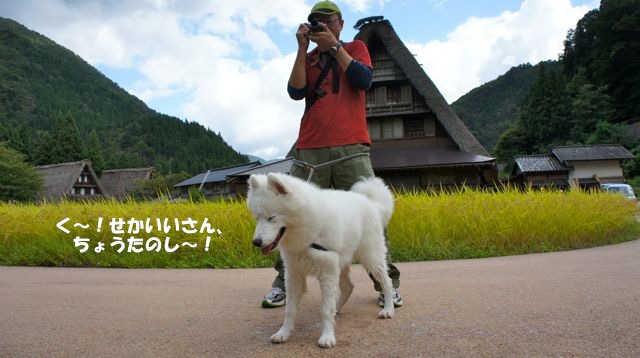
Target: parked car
(624, 189)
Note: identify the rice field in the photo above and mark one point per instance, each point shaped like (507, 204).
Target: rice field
(425, 226)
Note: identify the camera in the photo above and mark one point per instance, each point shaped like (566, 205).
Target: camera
(315, 26)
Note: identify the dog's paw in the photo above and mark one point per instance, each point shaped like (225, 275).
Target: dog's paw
(386, 313)
(279, 337)
(327, 341)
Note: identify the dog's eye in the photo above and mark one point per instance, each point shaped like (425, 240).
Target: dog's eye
(271, 217)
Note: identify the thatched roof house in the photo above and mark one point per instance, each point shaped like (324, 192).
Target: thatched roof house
(121, 183)
(74, 181)
(418, 140)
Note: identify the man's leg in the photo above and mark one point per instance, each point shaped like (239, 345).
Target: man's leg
(277, 296)
(343, 176)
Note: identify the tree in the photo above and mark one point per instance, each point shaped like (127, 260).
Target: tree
(608, 133)
(94, 153)
(590, 105)
(63, 144)
(616, 50)
(18, 180)
(67, 145)
(512, 142)
(579, 44)
(546, 115)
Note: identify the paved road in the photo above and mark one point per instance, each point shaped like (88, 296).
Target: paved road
(577, 303)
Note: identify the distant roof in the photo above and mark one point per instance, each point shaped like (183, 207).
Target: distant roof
(592, 152)
(280, 166)
(58, 179)
(404, 158)
(216, 175)
(120, 182)
(539, 163)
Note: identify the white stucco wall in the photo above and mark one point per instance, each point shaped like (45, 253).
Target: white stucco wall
(599, 168)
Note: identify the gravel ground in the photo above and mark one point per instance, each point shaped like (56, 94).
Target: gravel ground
(575, 303)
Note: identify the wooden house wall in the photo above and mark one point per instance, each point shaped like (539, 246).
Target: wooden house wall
(436, 178)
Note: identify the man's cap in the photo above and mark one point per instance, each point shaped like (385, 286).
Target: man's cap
(325, 7)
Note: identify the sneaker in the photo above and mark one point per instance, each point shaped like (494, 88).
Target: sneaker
(397, 300)
(275, 298)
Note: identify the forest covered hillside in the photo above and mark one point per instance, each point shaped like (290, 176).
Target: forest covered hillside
(55, 107)
(490, 109)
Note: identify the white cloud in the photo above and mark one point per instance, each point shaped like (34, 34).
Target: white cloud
(481, 49)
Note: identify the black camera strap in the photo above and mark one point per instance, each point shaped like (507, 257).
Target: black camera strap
(330, 63)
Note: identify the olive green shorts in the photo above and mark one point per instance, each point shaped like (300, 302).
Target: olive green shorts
(341, 175)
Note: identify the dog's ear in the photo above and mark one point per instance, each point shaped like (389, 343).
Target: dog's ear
(276, 184)
(253, 182)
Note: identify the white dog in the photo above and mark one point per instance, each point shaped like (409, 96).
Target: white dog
(320, 232)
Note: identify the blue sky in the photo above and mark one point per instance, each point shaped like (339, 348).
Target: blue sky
(225, 64)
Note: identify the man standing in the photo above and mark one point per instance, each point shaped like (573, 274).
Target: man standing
(332, 79)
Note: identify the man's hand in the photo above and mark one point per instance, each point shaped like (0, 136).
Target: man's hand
(325, 39)
(302, 36)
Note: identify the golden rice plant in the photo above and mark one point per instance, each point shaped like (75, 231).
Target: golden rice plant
(425, 226)
(481, 223)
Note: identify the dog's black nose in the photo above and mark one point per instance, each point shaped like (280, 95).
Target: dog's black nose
(257, 242)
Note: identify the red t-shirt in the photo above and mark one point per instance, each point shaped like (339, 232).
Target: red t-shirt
(335, 119)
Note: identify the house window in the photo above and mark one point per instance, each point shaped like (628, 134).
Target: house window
(430, 126)
(73, 191)
(374, 129)
(82, 191)
(413, 127)
(370, 98)
(392, 128)
(406, 93)
(394, 95)
(387, 128)
(381, 95)
(93, 191)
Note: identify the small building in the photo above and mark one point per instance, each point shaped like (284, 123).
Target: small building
(212, 184)
(238, 181)
(123, 183)
(72, 181)
(539, 171)
(583, 166)
(418, 141)
(591, 165)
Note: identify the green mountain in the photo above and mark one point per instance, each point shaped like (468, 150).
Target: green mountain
(490, 109)
(41, 82)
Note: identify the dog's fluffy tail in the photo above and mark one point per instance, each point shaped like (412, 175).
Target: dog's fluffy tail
(379, 194)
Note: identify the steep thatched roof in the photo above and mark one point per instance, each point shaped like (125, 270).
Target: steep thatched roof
(59, 179)
(383, 31)
(121, 182)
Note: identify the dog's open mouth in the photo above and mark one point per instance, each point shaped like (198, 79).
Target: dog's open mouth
(267, 249)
